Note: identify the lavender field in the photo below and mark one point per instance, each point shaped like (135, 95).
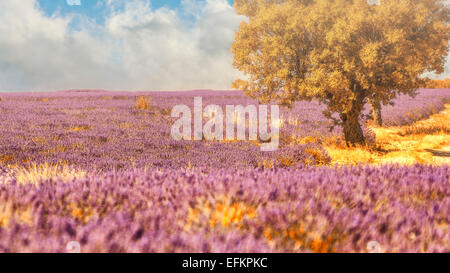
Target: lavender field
(101, 168)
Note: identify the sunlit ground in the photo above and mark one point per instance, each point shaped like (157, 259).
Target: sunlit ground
(426, 141)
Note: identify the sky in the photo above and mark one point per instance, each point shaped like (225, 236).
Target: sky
(117, 44)
(96, 8)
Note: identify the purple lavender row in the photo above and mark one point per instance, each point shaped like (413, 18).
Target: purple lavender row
(311, 209)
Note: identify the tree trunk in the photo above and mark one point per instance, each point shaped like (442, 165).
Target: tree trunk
(353, 133)
(375, 108)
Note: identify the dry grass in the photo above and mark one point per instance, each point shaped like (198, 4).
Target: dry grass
(224, 213)
(80, 128)
(125, 125)
(34, 174)
(426, 142)
(8, 212)
(143, 103)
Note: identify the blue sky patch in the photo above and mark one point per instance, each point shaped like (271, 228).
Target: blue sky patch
(96, 9)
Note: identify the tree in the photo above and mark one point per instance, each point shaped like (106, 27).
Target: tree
(375, 112)
(340, 52)
(444, 84)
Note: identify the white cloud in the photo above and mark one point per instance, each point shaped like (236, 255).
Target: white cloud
(137, 48)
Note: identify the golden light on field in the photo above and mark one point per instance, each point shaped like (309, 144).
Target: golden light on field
(426, 142)
(35, 173)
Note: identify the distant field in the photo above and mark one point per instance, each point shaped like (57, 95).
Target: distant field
(87, 165)
(103, 131)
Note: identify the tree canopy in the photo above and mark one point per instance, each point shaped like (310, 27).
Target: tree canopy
(341, 52)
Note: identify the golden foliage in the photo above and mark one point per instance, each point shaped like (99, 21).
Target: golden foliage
(6, 159)
(222, 213)
(320, 159)
(339, 52)
(317, 48)
(20, 214)
(442, 84)
(80, 128)
(81, 213)
(302, 239)
(125, 125)
(228, 214)
(143, 103)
